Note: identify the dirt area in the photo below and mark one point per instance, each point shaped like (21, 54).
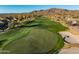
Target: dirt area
(74, 30)
(72, 50)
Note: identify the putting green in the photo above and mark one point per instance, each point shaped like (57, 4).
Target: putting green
(32, 40)
(38, 36)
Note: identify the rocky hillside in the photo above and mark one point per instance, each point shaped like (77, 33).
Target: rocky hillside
(57, 14)
(53, 13)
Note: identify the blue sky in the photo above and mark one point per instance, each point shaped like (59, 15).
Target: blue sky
(29, 8)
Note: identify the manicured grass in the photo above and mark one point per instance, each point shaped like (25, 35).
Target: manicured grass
(38, 36)
(46, 23)
(36, 41)
(13, 34)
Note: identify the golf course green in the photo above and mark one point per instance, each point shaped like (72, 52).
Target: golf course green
(37, 37)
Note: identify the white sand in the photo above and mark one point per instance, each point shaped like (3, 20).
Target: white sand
(73, 39)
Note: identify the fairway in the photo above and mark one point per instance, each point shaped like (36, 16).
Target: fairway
(46, 23)
(38, 36)
(36, 41)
